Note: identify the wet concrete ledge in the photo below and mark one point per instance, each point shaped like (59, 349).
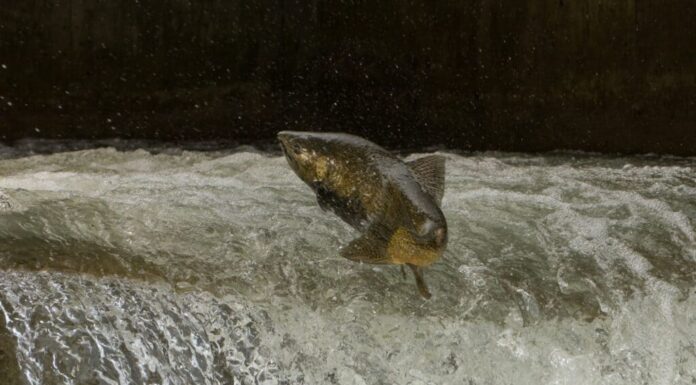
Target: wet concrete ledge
(480, 75)
(9, 367)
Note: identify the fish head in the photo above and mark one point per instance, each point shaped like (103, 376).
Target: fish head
(306, 154)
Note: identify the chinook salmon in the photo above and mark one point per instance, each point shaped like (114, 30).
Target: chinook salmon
(393, 204)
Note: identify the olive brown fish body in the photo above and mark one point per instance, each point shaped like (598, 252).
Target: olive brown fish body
(394, 206)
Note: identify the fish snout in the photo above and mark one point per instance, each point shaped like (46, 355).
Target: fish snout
(283, 138)
(294, 146)
(288, 136)
(287, 145)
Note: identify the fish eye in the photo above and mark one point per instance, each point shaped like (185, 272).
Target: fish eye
(296, 148)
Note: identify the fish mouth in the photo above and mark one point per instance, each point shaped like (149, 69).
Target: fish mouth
(283, 140)
(282, 137)
(289, 142)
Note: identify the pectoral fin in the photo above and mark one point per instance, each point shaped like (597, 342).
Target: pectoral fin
(371, 247)
(324, 196)
(349, 209)
(429, 171)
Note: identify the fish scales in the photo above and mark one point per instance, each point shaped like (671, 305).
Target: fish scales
(395, 205)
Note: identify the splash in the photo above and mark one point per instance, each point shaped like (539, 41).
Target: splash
(174, 266)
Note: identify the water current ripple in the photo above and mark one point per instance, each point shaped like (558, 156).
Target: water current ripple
(176, 266)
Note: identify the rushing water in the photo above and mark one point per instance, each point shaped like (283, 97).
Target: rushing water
(218, 267)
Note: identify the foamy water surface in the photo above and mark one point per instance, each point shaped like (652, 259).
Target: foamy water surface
(172, 266)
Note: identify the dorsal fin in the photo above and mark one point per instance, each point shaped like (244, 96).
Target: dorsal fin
(430, 174)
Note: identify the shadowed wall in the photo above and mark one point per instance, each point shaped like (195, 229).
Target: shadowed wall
(617, 76)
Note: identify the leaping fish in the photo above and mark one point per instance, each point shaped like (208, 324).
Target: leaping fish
(395, 205)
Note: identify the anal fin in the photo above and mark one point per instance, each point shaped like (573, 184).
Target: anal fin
(420, 282)
(371, 247)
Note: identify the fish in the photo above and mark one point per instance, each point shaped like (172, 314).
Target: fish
(393, 204)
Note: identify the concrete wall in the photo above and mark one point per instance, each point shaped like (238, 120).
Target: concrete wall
(612, 75)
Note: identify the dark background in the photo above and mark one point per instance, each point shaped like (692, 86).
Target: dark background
(611, 76)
